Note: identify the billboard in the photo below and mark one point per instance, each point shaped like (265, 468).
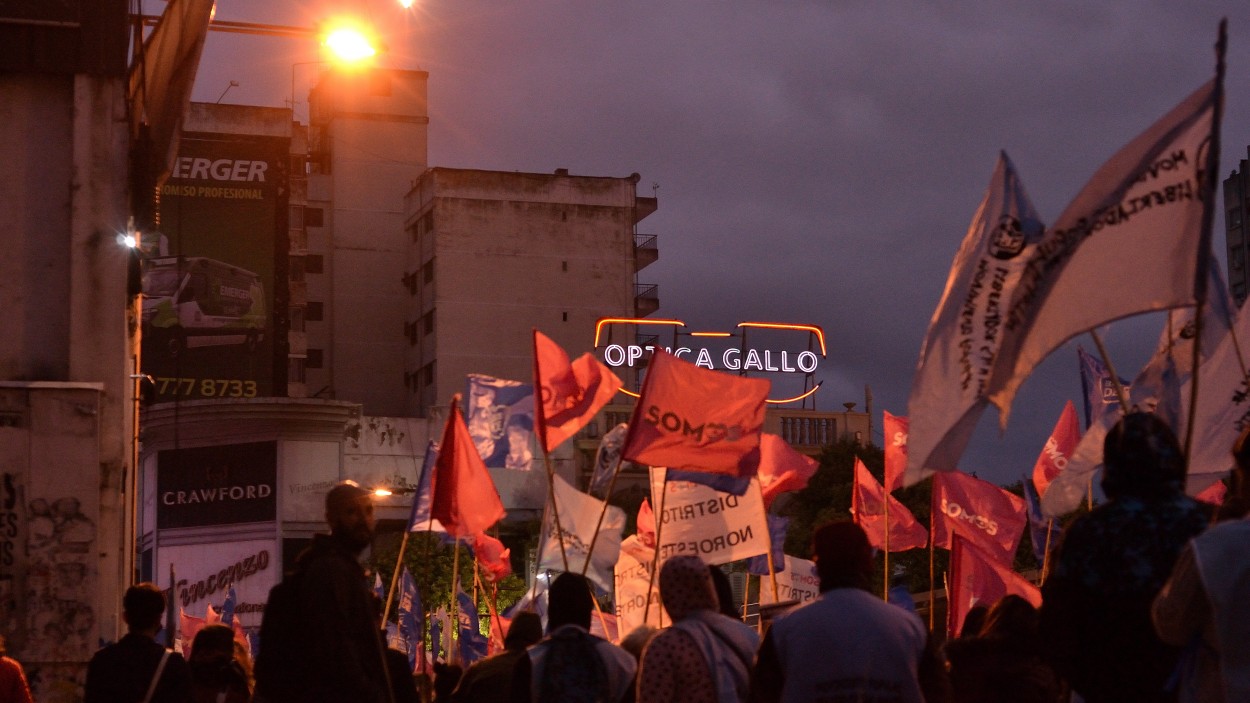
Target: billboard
(218, 485)
(215, 275)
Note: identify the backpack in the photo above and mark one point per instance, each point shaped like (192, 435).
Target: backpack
(573, 671)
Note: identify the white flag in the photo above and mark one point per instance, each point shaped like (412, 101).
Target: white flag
(1164, 381)
(1131, 241)
(957, 356)
(718, 527)
(798, 581)
(634, 586)
(579, 514)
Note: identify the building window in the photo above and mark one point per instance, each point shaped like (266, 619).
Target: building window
(297, 217)
(427, 323)
(427, 272)
(314, 359)
(315, 312)
(314, 263)
(314, 217)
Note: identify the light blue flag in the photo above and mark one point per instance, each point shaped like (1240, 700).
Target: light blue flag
(758, 566)
(500, 418)
(378, 589)
(473, 643)
(411, 617)
(227, 609)
(419, 517)
(1101, 399)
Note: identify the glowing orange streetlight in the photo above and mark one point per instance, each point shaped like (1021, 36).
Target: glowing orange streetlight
(349, 44)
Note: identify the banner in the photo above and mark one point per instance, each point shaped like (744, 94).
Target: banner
(214, 278)
(607, 460)
(500, 419)
(798, 581)
(777, 528)
(976, 578)
(717, 527)
(948, 392)
(1058, 449)
(695, 419)
(419, 519)
(1134, 234)
(1102, 402)
(569, 393)
(1043, 531)
(988, 516)
(411, 618)
(579, 515)
(632, 578)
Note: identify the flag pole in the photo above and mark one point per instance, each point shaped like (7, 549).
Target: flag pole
(1050, 523)
(555, 511)
(1208, 217)
(932, 550)
(598, 525)
(885, 576)
(399, 560)
(768, 534)
(454, 636)
(1115, 377)
(655, 560)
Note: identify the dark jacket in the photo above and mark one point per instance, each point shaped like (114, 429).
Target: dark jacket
(122, 672)
(326, 647)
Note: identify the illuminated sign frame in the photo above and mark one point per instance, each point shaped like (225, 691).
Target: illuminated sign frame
(631, 353)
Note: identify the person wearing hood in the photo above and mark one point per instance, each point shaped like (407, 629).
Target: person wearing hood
(705, 657)
(1095, 616)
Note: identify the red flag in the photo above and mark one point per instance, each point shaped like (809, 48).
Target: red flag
(895, 429)
(492, 556)
(782, 469)
(646, 524)
(694, 419)
(568, 395)
(498, 631)
(188, 626)
(988, 516)
(1213, 494)
(867, 505)
(465, 500)
(976, 578)
(1059, 447)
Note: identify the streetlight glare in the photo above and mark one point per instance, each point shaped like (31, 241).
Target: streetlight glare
(349, 44)
(381, 492)
(406, 4)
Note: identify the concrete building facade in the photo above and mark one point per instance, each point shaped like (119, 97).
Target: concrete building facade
(1236, 208)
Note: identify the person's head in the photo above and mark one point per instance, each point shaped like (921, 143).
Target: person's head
(1011, 618)
(520, 427)
(843, 555)
(724, 593)
(142, 608)
(1142, 458)
(483, 396)
(526, 629)
(213, 643)
(349, 513)
(974, 621)
(569, 602)
(686, 586)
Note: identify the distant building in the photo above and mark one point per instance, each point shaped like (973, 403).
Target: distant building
(1236, 207)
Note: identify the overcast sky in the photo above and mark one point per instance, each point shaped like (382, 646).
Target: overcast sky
(815, 162)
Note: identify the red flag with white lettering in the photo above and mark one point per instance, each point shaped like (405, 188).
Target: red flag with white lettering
(976, 578)
(782, 469)
(695, 419)
(1059, 447)
(867, 505)
(465, 499)
(895, 429)
(567, 394)
(988, 516)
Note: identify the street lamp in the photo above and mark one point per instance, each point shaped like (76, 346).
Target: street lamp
(348, 47)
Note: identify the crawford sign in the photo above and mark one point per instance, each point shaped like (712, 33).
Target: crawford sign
(217, 485)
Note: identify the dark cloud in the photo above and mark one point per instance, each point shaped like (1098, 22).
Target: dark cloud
(816, 162)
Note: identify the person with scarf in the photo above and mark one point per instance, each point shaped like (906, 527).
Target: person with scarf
(705, 657)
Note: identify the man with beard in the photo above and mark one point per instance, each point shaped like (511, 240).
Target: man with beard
(319, 637)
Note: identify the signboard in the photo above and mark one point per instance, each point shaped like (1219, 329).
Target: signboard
(634, 585)
(797, 581)
(214, 275)
(218, 485)
(205, 573)
(717, 527)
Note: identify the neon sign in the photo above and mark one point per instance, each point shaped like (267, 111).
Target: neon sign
(740, 358)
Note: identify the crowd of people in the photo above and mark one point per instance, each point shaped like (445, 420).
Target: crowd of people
(1145, 603)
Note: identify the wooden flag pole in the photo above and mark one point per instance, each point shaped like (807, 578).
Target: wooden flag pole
(454, 635)
(598, 525)
(1050, 523)
(399, 561)
(768, 534)
(555, 511)
(659, 529)
(885, 576)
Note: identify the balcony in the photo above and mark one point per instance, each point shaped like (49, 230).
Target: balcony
(646, 251)
(646, 299)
